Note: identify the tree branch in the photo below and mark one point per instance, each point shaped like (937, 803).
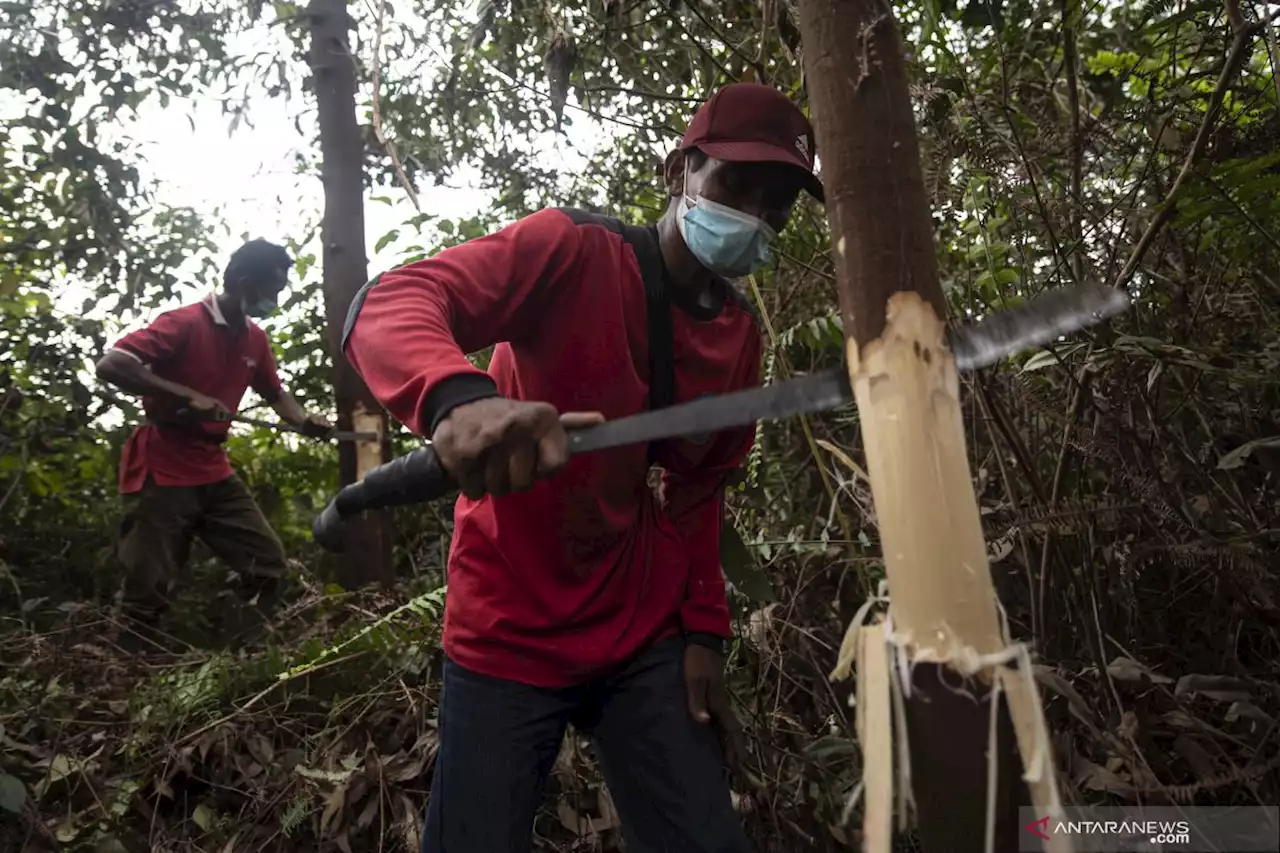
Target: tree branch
(1235, 58)
(1072, 15)
(377, 111)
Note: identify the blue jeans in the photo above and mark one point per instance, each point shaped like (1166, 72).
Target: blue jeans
(499, 740)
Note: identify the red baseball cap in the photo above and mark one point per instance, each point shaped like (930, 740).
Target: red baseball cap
(752, 123)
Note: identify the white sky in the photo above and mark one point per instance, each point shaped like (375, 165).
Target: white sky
(247, 178)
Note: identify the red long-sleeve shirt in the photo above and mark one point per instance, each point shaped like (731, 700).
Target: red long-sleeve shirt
(560, 583)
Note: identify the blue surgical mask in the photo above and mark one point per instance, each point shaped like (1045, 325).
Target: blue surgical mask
(726, 241)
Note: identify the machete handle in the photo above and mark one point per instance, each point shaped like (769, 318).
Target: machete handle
(416, 477)
(215, 415)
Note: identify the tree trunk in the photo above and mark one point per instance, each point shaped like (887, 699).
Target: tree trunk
(944, 621)
(367, 550)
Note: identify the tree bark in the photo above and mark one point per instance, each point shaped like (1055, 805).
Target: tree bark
(944, 618)
(366, 554)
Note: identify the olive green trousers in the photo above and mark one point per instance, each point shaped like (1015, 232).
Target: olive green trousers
(161, 522)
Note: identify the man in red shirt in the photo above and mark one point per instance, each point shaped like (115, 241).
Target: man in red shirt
(576, 595)
(192, 366)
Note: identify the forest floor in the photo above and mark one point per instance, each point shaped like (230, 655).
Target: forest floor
(321, 737)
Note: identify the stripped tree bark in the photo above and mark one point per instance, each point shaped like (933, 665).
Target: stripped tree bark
(942, 689)
(367, 550)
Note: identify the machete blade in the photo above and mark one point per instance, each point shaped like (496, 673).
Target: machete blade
(1034, 323)
(818, 392)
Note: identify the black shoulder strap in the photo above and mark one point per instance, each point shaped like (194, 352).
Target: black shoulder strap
(353, 310)
(662, 369)
(644, 242)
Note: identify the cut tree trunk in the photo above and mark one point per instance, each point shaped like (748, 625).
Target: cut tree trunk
(366, 553)
(931, 672)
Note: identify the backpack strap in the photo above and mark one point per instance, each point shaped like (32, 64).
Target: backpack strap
(644, 242)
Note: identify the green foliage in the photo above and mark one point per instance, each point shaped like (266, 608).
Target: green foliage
(179, 694)
(403, 632)
(13, 794)
(741, 568)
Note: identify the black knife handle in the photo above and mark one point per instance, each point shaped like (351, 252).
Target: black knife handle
(416, 477)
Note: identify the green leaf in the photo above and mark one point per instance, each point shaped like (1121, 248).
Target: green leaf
(9, 282)
(740, 566)
(13, 794)
(304, 263)
(998, 278)
(830, 747)
(60, 768)
(66, 832)
(204, 817)
(1042, 359)
(1111, 62)
(996, 251)
(385, 239)
(1047, 358)
(1236, 458)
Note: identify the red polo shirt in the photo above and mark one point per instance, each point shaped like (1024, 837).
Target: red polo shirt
(193, 346)
(558, 584)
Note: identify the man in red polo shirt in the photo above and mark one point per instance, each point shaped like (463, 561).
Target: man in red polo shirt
(575, 594)
(192, 366)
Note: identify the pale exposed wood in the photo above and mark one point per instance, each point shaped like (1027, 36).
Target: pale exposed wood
(1035, 747)
(875, 732)
(368, 453)
(943, 605)
(957, 750)
(907, 390)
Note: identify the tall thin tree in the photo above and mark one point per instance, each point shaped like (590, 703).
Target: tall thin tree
(965, 687)
(367, 552)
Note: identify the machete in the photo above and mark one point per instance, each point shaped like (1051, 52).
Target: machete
(333, 435)
(418, 477)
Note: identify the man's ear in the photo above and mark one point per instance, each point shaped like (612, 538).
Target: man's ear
(673, 173)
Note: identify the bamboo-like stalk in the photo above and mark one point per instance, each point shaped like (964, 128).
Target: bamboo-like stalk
(368, 453)
(959, 760)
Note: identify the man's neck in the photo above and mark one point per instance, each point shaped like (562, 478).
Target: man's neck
(231, 312)
(684, 273)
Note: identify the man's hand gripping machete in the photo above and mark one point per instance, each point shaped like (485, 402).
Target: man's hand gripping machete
(418, 477)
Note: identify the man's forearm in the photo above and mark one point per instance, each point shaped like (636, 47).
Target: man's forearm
(136, 378)
(289, 410)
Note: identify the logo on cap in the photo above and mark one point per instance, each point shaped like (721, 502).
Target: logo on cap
(802, 145)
